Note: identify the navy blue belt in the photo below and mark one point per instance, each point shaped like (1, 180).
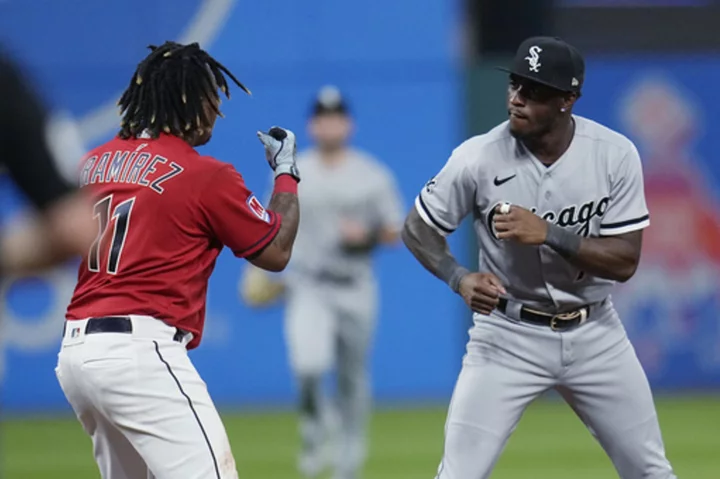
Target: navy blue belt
(117, 324)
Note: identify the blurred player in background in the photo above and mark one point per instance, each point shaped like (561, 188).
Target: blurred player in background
(164, 213)
(32, 144)
(350, 206)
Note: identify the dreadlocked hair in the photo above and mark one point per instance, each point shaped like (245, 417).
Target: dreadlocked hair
(170, 89)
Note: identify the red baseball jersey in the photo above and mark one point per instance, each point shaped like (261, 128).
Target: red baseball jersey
(164, 213)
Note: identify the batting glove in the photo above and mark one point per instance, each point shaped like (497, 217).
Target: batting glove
(280, 151)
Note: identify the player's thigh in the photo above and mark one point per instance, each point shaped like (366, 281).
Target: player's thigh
(310, 326)
(75, 392)
(162, 406)
(491, 393)
(353, 339)
(613, 398)
(356, 312)
(115, 455)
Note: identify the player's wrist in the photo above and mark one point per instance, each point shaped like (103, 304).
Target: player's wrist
(287, 169)
(563, 241)
(286, 183)
(457, 278)
(452, 273)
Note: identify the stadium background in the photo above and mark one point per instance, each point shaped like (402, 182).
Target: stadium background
(419, 81)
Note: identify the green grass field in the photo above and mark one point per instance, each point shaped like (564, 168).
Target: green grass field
(550, 443)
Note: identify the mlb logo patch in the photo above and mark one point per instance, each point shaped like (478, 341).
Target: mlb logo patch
(75, 332)
(258, 209)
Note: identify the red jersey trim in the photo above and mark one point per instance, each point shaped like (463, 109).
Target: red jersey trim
(265, 240)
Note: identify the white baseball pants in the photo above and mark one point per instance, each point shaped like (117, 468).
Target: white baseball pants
(143, 403)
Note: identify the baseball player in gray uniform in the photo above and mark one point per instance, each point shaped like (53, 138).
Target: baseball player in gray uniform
(350, 206)
(558, 207)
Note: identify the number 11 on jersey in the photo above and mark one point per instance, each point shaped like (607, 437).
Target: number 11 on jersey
(121, 215)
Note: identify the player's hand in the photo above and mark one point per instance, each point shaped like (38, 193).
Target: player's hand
(481, 291)
(280, 151)
(353, 232)
(520, 225)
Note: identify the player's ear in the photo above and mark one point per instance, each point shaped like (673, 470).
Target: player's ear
(351, 125)
(567, 102)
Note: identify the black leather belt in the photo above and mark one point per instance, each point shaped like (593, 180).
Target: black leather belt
(117, 324)
(556, 322)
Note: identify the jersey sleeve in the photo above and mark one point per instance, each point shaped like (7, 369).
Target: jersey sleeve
(627, 210)
(235, 216)
(29, 146)
(448, 197)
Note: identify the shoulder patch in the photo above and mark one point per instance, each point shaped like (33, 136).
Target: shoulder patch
(258, 209)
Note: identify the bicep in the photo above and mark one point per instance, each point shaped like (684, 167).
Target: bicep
(270, 258)
(447, 198)
(625, 244)
(417, 232)
(235, 216)
(634, 241)
(626, 206)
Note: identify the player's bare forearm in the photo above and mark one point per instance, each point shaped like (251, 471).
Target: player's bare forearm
(610, 257)
(365, 241)
(276, 256)
(287, 206)
(431, 250)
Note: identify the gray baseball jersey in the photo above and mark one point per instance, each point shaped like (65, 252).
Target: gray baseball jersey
(360, 189)
(594, 189)
(330, 322)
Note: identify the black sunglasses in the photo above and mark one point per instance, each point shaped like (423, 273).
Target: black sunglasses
(534, 91)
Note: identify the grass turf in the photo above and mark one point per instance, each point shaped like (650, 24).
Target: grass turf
(550, 443)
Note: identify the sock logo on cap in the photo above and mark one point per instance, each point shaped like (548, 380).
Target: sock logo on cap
(534, 58)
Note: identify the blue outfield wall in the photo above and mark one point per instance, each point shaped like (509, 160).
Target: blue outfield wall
(671, 308)
(397, 65)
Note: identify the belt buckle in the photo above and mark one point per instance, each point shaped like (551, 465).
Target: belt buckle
(563, 317)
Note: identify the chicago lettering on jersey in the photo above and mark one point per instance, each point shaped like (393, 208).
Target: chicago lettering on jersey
(569, 216)
(134, 167)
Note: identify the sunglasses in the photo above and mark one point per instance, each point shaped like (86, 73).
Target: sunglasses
(533, 91)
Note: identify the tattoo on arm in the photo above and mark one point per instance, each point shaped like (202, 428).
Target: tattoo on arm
(286, 205)
(610, 257)
(431, 250)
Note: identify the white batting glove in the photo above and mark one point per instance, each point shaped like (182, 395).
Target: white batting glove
(280, 150)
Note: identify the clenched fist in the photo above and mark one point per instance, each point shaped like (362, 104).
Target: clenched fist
(520, 225)
(481, 291)
(280, 151)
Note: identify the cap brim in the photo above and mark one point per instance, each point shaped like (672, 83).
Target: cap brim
(532, 78)
(330, 111)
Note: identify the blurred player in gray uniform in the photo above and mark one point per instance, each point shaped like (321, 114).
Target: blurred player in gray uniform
(558, 207)
(349, 206)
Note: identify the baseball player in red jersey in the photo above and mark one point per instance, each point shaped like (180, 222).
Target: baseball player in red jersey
(164, 213)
